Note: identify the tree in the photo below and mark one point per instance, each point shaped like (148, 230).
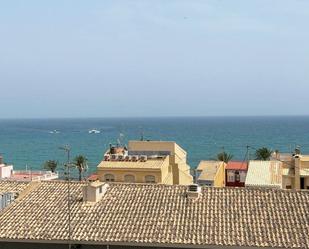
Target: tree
(224, 157)
(263, 154)
(80, 163)
(51, 165)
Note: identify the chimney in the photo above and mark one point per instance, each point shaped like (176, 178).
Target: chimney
(296, 164)
(193, 191)
(94, 191)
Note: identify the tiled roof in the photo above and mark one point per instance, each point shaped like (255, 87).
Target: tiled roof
(264, 173)
(12, 186)
(161, 214)
(149, 164)
(237, 165)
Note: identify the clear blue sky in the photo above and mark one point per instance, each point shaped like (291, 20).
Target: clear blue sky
(153, 58)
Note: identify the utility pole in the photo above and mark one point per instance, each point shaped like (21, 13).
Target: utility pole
(67, 149)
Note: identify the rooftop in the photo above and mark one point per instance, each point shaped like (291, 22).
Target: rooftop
(141, 214)
(209, 169)
(156, 163)
(13, 186)
(264, 173)
(237, 165)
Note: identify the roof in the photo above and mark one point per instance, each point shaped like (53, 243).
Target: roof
(264, 173)
(237, 165)
(209, 170)
(148, 164)
(12, 186)
(207, 163)
(142, 214)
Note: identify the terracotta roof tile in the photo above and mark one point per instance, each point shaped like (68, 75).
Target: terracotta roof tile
(150, 213)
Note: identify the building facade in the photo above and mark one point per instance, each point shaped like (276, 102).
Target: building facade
(235, 174)
(146, 162)
(211, 173)
(295, 170)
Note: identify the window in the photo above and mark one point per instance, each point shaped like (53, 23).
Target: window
(129, 178)
(243, 176)
(237, 176)
(230, 177)
(150, 179)
(109, 178)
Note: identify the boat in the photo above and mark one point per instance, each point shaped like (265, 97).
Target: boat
(54, 132)
(94, 131)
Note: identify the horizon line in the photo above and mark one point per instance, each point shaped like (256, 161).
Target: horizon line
(161, 117)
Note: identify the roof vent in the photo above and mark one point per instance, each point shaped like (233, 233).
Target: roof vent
(193, 191)
(143, 158)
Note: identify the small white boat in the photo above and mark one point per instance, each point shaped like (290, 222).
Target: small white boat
(94, 131)
(54, 132)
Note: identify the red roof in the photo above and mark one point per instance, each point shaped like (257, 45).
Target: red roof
(237, 165)
(92, 177)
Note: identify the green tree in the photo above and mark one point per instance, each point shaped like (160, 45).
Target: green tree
(263, 154)
(80, 163)
(224, 157)
(50, 165)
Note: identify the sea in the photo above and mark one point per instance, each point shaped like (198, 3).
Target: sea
(28, 143)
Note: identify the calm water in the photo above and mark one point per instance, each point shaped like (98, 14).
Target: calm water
(29, 141)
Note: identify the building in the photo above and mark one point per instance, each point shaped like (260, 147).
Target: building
(235, 174)
(295, 169)
(146, 162)
(6, 171)
(115, 215)
(211, 173)
(264, 174)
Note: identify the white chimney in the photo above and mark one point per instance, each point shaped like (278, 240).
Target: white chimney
(94, 191)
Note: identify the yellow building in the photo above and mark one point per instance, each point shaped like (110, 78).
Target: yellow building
(295, 170)
(211, 173)
(146, 162)
(284, 170)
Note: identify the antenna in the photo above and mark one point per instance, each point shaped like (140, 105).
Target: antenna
(67, 149)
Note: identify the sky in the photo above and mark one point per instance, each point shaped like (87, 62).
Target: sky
(146, 58)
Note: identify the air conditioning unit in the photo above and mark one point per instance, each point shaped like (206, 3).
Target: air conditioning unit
(143, 158)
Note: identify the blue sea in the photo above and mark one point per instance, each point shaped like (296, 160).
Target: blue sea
(29, 141)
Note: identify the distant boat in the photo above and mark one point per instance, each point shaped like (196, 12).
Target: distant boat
(54, 132)
(94, 131)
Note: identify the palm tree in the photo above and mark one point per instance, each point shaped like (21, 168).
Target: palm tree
(50, 165)
(80, 163)
(263, 154)
(224, 157)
